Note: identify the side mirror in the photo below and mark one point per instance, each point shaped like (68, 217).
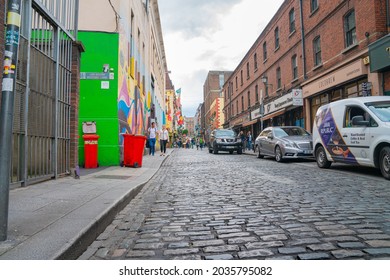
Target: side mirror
(359, 121)
(269, 136)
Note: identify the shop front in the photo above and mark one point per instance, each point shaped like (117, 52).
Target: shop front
(346, 82)
(285, 110)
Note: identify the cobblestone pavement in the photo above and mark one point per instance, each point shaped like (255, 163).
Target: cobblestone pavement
(205, 206)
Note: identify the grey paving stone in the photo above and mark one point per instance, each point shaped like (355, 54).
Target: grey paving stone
(374, 236)
(221, 249)
(232, 235)
(314, 256)
(180, 251)
(240, 240)
(148, 246)
(274, 237)
(322, 247)
(378, 243)
(140, 254)
(342, 254)
(291, 250)
(339, 232)
(351, 245)
(259, 245)
(304, 241)
(178, 245)
(378, 251)
(220, 257)
(255, 253)
(205, 243)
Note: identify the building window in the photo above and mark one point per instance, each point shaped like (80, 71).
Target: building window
(292, 20)
(350, 29)
(242, 79)
(237, 107)
(317, 51)
(265, 51)
(313, 5)
(279, 77)
(294, 66)
(232, 109)
(276, 38)
(255, 60)
(236, 82)
(247, 70)
(249, 99)
(257, 93)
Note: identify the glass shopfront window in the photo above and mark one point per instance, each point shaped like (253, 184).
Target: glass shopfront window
(350, 90)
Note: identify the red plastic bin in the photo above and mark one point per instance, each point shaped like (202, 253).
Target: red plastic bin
(91, 150)
(133, 150)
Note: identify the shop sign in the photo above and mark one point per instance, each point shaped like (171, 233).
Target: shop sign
(335, 78)
(297, 97)
(284, 102)
(240, 120)
(379, 53)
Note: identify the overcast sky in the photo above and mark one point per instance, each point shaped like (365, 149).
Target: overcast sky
(205, 35)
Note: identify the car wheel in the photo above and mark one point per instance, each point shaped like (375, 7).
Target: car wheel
(384, 162)
(259, 155)
(231, 152)
(210, 151)
(321, 159)
(278, 154)
(239, 151)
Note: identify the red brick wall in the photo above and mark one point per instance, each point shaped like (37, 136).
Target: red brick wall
(326, 22)
(75, 97)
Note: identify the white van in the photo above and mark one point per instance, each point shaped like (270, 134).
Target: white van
(354, 131)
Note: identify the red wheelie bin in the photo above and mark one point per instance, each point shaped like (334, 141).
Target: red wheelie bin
(91, 150)
(133, 150)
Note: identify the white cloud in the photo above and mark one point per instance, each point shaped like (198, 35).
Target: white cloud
(205, 35)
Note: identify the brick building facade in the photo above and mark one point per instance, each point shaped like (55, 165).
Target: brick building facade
(310, 53)
(212, 89)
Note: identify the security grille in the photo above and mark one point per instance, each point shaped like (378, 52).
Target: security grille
(41, 127)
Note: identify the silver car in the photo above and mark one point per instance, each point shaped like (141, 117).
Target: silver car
(284, 142)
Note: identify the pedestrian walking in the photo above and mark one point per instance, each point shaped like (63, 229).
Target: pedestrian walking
(249, 140)
(197, 142)
(201, 143)
(164, 139)
(243, 139)
(152, 134)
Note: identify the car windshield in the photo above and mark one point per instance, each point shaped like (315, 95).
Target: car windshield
(290, 131)
(381, 110)
(224, 133)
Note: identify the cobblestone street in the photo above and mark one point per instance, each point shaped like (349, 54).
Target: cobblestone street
(205, 206)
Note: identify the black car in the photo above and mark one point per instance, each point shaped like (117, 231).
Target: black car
(224, 140)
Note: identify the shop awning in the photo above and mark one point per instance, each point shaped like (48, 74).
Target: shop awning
(274, 114)
(249, 123)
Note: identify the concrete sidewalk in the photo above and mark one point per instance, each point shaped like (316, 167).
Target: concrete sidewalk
(58, 219)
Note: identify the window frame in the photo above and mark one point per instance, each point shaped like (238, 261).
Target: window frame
(294, 66)
(317, 52)
(265, 51)
(314, 6)
(279, 78)
(350, 32)
(277, 38)
(291, 16)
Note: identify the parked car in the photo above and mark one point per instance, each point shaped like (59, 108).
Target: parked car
(354, 131)
(224, 140)
(284, 142)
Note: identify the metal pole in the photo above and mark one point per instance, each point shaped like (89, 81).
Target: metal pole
(7, 108)
(261, 110)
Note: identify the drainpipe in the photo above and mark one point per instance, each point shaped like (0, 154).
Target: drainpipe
(303, 40)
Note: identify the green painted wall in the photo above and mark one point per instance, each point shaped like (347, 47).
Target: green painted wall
(97, 104)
